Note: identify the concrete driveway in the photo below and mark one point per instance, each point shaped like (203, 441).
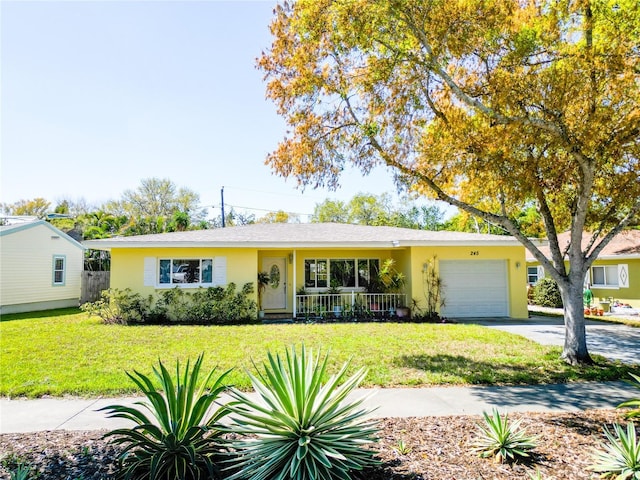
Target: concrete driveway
(611, 340)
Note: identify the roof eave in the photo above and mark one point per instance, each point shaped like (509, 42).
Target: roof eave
(102, 245)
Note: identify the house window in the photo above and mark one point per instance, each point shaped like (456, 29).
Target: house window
(532, 275)
(346, 273)
(315, 273)
(368, 269)
(59, 267)
(604, 276)
(185, 271)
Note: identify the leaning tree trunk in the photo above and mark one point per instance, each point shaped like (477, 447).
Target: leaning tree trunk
(575, 337)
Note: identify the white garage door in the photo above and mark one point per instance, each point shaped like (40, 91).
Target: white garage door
(474, 288)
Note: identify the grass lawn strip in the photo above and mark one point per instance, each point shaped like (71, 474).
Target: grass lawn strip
(65, 352)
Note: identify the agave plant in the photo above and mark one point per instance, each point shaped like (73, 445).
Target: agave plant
(505, 441)
(21, 472)
(182, 439)
(620, 456)
(300, 429)
(634, 403)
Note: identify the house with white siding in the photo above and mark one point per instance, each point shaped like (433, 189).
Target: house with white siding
(40, 268)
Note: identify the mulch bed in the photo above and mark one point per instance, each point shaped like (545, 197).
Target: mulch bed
(440, 448)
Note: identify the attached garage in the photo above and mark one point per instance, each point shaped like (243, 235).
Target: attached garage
(475, 288)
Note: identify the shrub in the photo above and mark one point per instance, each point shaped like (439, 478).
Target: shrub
(634, 403)
(620, 456)
(213, 305)
(547, 294)
(120, 306)
(184, 442)
(299, 428)
(506, 442)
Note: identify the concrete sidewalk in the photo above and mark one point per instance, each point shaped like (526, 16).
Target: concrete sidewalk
(82, 414)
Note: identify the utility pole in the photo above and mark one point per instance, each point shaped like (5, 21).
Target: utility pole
(222, 201)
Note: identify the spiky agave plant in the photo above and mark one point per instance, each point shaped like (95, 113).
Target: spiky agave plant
(299, 428)
(182, 439)
(633, 403)
(619, 458)
(505, 441)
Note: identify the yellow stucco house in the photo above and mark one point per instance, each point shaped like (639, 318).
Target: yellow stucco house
(40, 268)
(482, 275)
(614, 277)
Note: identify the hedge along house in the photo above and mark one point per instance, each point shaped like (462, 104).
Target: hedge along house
(482, 275)
(40, 268)
(614, 275)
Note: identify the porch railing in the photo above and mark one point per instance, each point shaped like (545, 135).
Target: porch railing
(348, 305)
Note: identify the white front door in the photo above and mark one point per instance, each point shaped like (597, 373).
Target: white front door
(275, 294)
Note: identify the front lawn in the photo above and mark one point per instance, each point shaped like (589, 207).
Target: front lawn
(66, 352)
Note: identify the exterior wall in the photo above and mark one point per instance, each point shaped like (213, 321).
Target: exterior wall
(629, 295)
(302, 254)
(516, 269)
(127, 265)
(26, 269)
(38, 306)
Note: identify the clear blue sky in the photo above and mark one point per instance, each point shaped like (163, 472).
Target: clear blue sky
(97, 95)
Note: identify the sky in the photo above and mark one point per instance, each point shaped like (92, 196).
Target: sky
(98, 95)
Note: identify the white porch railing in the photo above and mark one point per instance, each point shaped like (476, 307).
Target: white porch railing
(348, 305)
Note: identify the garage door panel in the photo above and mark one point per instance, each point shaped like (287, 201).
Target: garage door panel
(475, 288)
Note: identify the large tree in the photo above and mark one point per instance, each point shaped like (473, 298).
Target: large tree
(158, 199)
(489, 106)
(37, 207)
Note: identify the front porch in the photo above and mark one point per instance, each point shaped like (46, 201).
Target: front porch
(348, 306)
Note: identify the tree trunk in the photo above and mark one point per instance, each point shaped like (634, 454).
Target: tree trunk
(575, 337)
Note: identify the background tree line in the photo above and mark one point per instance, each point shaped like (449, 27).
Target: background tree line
(158, 206)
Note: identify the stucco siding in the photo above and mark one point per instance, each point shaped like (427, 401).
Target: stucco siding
(513, 256)
(242, 265)
(127, 265)
(26, 268)
(630, 294)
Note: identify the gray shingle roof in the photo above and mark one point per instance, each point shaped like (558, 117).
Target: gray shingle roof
(301, 235)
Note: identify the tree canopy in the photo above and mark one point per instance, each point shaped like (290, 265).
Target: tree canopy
(489, 106)
(370, 209)
(37, 207)
(157, 198)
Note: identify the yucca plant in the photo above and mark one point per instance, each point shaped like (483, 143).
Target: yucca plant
(507, 442)
(21, 472)
(181, 440)
(619, 458)
(634, 403)
(299, 428)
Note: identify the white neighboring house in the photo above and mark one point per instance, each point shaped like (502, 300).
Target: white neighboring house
(40, 268)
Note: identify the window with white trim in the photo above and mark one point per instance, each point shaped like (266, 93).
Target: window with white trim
(59, 269)
(180, 271)
(604, 276)
(532, 275)
(340, 272)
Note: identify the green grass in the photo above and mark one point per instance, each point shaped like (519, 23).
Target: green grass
(66, 352)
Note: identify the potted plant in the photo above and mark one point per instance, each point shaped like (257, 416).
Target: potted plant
(263, 281)
(334, 289)
(393, 281)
